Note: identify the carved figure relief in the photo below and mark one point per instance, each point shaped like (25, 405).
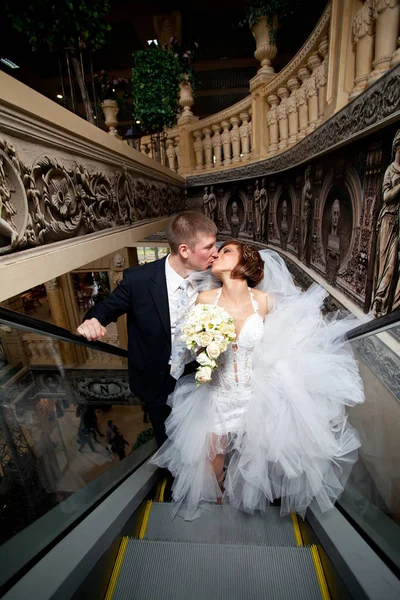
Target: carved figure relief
(337, 228)
(306, 215)
(264, 206)
(333, 248)
(257, 209)
(206, 207)
(284, 219)
(235, 220)
(212, 205)
(387, 267)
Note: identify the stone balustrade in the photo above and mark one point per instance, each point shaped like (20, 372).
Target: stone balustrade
(376, 39)
(223, 139)
(282, 109)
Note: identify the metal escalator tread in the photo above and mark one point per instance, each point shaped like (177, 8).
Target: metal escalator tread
(221, 525)
(179, 571)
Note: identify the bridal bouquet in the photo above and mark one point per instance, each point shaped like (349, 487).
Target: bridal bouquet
(208, 329)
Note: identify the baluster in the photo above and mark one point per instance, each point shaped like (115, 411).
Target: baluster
(178, 150)
(282, 118)
(272, 120)
(245, 135)
(217, 145)
(207, 147)
(235, 139)
(387, 15)
(226, 142)
(301, 96)
(198, 150)
(291, 107)
(313, 62)
(171, 154)
(363, 35)
(321, 78)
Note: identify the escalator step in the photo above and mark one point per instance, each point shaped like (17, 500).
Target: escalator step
(222, 525)
(163, 570)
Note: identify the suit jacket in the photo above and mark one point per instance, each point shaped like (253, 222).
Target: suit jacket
(142, 295)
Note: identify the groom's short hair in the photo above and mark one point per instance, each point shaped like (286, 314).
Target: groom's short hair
(187, 228)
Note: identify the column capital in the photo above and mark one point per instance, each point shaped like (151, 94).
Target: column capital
(51, 285)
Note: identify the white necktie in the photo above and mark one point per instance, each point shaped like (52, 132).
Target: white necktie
(179, 347)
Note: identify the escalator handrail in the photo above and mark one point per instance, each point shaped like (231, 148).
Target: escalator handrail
(11, 317)
(16, 319)
(375, 326)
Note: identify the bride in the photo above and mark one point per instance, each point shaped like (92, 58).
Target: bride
(271, 423)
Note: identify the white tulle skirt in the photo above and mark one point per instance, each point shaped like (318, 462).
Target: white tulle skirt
(292, 440)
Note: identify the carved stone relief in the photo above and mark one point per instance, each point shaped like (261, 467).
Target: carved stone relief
(387, 267)
(49, 201)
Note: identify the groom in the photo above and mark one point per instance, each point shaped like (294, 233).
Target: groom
(154, 297)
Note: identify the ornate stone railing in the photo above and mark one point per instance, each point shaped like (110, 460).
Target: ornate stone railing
(60, 177)
(286, 107)
(376, 39)
(224, 138)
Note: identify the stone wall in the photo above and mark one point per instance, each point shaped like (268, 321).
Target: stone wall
(325, 212)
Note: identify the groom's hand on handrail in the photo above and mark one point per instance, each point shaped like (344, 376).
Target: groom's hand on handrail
(92, 330)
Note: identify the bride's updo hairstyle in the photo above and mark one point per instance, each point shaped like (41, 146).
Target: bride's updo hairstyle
(250, 265)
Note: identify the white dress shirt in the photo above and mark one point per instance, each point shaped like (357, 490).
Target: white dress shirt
(173, 282)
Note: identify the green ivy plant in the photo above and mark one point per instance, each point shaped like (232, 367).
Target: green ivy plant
(142, 439)
(155, 88)
(257, 9)
(72, 26)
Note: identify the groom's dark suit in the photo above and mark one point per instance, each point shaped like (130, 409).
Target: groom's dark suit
(142, 296)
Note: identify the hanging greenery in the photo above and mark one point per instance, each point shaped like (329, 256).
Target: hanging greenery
(155, 88)
(143, 438)
(71, 26)
(257, 9)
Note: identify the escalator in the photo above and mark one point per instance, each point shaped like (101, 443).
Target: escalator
(115, 537)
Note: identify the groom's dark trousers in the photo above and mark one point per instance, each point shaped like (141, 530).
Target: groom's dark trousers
(142, 296)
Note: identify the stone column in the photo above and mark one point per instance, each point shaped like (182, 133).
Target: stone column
(178, 151)
(387, 15)
(143, 148)
(207, 146)
(244, 135)
(198, 150)
(185, 152)
(301, 95)
(291, 107)
(235, 139)
(259, 135)
(363, 35)
(217, 145)
(272, 120)
(321, 78)
(313, 62)
(226, 142)
(59, 316)
(171, 154)
(282, 118)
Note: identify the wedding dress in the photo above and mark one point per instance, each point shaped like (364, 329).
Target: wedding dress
(275, 407)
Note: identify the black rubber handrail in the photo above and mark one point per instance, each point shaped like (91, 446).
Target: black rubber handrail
(375, 326)
(16, 319)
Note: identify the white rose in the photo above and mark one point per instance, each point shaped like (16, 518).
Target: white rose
(213, 350)
(203, 375)
(206, 338)
(203, 359)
